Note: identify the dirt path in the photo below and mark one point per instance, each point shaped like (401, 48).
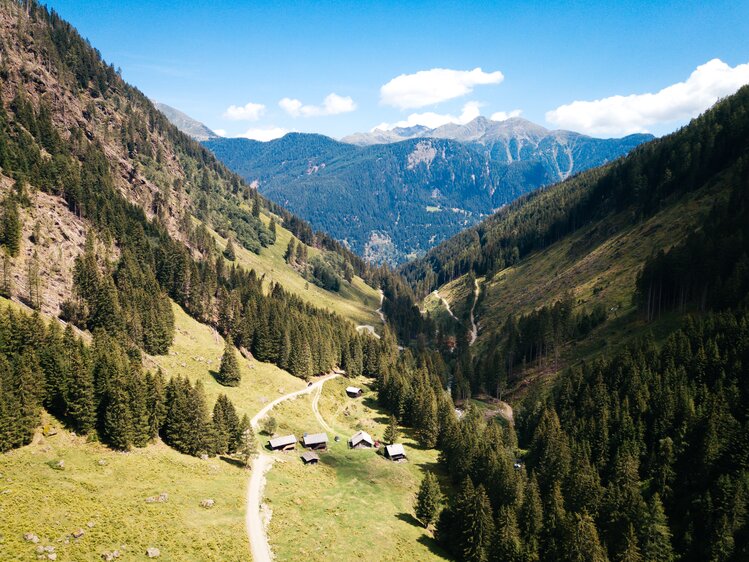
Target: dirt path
(262, 464)
(316, 411)
(474, 327)
(447, 305)
(368, 327)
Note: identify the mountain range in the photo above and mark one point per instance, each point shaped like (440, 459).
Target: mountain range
(390, 196)
(185, 123)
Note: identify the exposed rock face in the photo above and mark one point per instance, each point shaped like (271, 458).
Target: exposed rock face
(185, 123)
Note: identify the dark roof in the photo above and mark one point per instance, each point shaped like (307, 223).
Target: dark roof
(309, 456)
(282, 441)
(315, 439)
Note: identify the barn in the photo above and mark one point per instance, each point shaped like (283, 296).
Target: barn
(310, 458)
(361, 440)
(353, 391)
(395, 452)
(285, 443)
(315, 441)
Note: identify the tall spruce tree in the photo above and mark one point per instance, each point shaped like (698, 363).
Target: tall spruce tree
(391, 431)
(428, 500)
(228, 373)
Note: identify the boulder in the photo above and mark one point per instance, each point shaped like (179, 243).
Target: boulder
(153, 552)
(207, 503)
(31, 537)
(78, 533)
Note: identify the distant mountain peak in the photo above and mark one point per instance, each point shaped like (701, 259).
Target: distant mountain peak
(185, 123)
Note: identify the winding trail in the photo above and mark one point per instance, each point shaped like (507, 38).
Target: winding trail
(368, 327)
(260, 465)
(447, 305)
(474, 327)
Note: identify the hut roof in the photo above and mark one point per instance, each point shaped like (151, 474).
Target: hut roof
(315, 439)
(309, 456)
(360, 436)
(282, 441)
(395, 450)
(353, 389)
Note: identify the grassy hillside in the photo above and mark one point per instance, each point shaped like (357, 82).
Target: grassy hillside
(109, 489)
(354, 504)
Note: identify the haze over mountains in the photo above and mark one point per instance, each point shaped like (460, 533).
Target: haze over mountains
(391, 195)
(185, 123)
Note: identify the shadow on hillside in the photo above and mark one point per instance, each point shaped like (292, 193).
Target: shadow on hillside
(232, 461)
(433, 546)
(410, 519)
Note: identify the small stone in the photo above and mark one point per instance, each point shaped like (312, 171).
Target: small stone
(204, 457)
(78, 533)
(40, 549)
(163, 496)
(151, 499)
(153, 552)
(107, 556)
(49, 548)
(207, 503)
(31, 537)
(90, 524)
(60, 465)
(116, 554)
(102, 462)
(52, 556)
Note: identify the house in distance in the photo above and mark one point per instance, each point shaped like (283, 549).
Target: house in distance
(361, 440)
(353, 391)
(395, 452)
(315, 441)
(285, 443)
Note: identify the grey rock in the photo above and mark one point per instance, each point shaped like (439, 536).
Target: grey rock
(78, 533)
(207, 503)
(153, 552)
(31, 537)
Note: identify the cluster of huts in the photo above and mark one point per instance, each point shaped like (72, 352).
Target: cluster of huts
(319, 441)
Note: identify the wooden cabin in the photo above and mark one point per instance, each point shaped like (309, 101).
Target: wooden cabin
(361, 440)
(395, 452)
(315, 441)
(353, 391)
(310, 458)
(285, 443)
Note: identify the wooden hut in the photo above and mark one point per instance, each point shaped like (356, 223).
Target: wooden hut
(310, 458)
(361, 440)
(395, 452)
(315, 441)
(285, 443)
(353, 391)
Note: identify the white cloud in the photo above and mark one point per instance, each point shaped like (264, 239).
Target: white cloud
(505, 115)
(433, 120)
(220, 132)
(264, 133)
(428, 87)
(333, 104)
(623, 115)
(248, 112)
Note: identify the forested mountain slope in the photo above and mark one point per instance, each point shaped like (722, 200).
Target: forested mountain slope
(392, 201)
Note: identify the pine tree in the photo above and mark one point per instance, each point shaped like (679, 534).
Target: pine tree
(478, 527)
(80, 400)
(229, 374)
(11, 226)
(6, 282)
(391, 431)
(582, 543)
(34, 282)
(117, 423)
(506, 543)
(248, 443)
(656, 544)
(631, 551)
(229, 252)
(428, 500)
(290, 254)
(156, 397)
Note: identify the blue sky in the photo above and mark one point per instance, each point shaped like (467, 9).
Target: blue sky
(561, 64)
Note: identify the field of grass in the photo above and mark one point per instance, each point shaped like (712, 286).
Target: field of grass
(355, 504)
(356, 301)
(108, 489)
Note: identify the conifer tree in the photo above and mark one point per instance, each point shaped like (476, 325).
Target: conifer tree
(582, 543)
(290, 254)
(631, 550)
(156, 397)
(428, 500)
(248, 443)
(656, 545)
(80, 400)
(478, 527)
(229, 374)
(117, 422)
(506, 544)
(6, 281)
(11, 226)
(229, 252)
(391, 431)
(34, 282)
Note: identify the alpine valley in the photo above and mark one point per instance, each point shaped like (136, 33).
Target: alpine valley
(557, 369)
